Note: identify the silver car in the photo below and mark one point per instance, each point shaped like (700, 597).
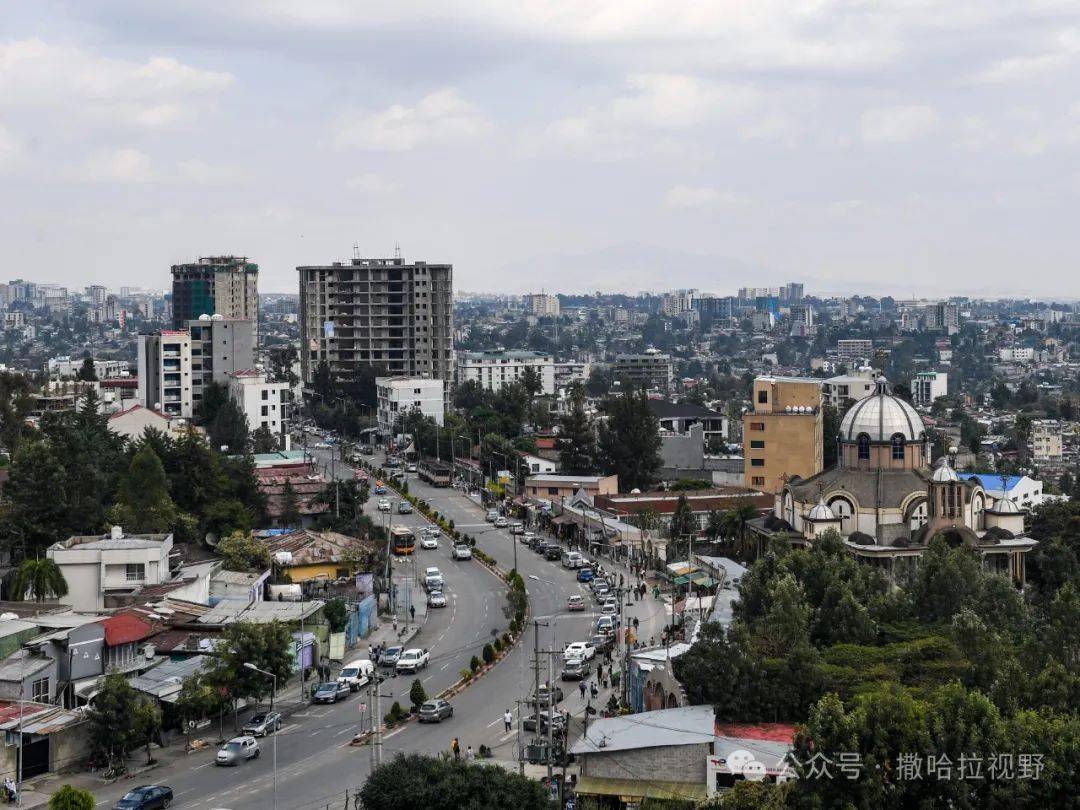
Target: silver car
(262, 724)
(237, 750)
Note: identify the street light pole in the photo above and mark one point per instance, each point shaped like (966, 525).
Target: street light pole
(273, 694)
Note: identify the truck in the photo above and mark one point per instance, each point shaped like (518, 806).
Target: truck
(412, 661)
(435, 473)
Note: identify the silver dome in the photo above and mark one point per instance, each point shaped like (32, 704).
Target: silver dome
(882, 415)
(821, 511)
(944, 473)
(1004, 506)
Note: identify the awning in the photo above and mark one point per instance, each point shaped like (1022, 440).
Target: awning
(707, 582)
(87, 689)
(634, 790)
(562, 520)
(680, 580)
(696, 575)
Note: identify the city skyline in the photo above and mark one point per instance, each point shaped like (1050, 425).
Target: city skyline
(925, 148)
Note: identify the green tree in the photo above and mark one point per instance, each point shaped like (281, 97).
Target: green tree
(229, 429)
(147, 725)
(197, 700)
(417, 695)
(111, 726)
(240, 551)
(684, 525)
(30, 521)
(72, 798)
(576, 441)
(263, 440)
(947, 580)
(87, 372)
(735, 520)
(413, 780)
(630, 441)
(41, 578)
(267, 646)
(143, 503)
(290, 507)
(714, 525)
(337, 614)
(214, 396)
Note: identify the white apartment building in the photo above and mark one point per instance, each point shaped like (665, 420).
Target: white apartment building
(493, 370)
(66, 367)
(1046, 442)
(265, 404)
(927, 386)
(1016, 354)
(542, 305)
(164, 363)
(398, 395)
(838, 391)
(570, 372)
(98, 566)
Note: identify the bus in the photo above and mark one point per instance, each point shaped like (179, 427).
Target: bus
(404, 541)
(436, 473)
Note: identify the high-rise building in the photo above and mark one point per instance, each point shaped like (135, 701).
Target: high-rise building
(851, 351)
(926, 386)
(165, 372)
(782, 435)
(381, 313)
(542, 305)
(220, 347)
(651, 370)
(215, 285)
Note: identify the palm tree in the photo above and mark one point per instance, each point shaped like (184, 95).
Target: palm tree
(41, 578)
(735, 520)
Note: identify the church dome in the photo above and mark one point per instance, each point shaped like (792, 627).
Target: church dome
(821, 511)
(944, 473)
(1004, 506)
(881, 416)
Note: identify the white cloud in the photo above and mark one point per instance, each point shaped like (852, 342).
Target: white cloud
(121, 166)
(438, 118)
(682, 197)
(1062, 54)
(898, 124)
(77, 83)
(369, 183)
(200, 173)
(665, 100)
(10, 147)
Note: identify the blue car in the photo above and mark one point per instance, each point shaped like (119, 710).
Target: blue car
(585, 575)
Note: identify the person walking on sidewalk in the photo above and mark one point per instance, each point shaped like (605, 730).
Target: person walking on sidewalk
(455, 746)
(582, 687)
(412, 613)
(508, 720)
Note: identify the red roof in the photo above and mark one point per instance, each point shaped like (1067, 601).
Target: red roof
(772, 732)
(9, 710)
(125, 628)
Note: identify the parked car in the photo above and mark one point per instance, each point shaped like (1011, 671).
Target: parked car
(491, 515)
(585, 575)
(462, 551)
(433, 579)
(610, 607)
(435, 711)
(576, 669)
(575, 603)
(579, 649)
(501, 522)
(436, 599)
(606, 625)
(404, 508)
(572, 559)
(384, 505)
(380, 489)
(603, 643)
(601, 592)
(390, 656)
(517, 528)
(556, 692)
(330, 692)
(412, 661)
(263, 723)
(356, 673)
(410, 468)
(237, 750)
(529, 723)
(552, 552)
(529, 539)
(146, 797)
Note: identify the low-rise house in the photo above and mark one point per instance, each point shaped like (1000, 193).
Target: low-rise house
(96, 567)
(48, 738)
(274, 470)
(555, 487)
(661, 504)
(307, 555)
(133, 422)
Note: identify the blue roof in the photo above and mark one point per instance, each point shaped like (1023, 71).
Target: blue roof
(992, 481)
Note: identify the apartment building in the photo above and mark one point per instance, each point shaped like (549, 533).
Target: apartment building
(382, 313)
(927, 386)
(493, 370)
(1046, 441)
(265, 404)
(651, 369)
(164, 362)
(854, 351)
(542, 305)
(220, 347)
(215, 285)
(397, 395)
(844, 389)
(782, 435)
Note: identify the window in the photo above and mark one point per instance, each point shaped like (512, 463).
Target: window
(898, 447)
(265, 394)
(763, 397)
(757, 444)
(757, 462)
(757, 426)
(39, 691)
(864, 447)
(757, 481)
(264, 410)
(136, 572)
(553, 490)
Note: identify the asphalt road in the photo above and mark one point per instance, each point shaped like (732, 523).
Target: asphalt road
(317, 767)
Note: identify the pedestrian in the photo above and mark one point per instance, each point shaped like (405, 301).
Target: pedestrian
(508, 720)
(412, 612)
(469, 754)
(582, 688)
(636, 623)
(620, 580)
(593, 690)
(455, 746)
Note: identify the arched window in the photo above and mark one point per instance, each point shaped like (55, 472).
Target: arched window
(864, 446)
(898, 447)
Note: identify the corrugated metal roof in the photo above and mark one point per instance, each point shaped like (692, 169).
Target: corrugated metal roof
(685, 725)
(125, 628)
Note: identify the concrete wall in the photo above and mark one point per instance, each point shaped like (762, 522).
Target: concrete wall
(687, 763)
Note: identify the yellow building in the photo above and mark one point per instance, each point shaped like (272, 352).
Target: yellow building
(782, 435)
(309, 555)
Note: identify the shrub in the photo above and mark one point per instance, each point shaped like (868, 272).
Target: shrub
(497, 644)
(451, 525)
(474, 664)
(417, 694)
(72, 798)
(506, 639)
(489, 653)
(514, 626)
(466, 675)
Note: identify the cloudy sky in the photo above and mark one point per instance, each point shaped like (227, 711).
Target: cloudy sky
(900, 147)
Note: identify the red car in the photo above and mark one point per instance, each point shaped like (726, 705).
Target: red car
(575, 602)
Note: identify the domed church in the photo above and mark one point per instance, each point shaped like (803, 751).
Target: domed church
(886, 502)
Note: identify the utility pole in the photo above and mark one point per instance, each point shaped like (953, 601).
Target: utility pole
(521, 759)
(536, 669)
(551, 713)
(373, 682)
(377, 722)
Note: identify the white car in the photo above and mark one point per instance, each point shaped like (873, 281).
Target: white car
(609, 608)
(237, 750)
(429, 542)
(356, 674)
(412, 660)
(579, 649)
(462, 552)
(517, 528)
(501, 523)
(436, 599)
(410, 468)
(384, 505)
